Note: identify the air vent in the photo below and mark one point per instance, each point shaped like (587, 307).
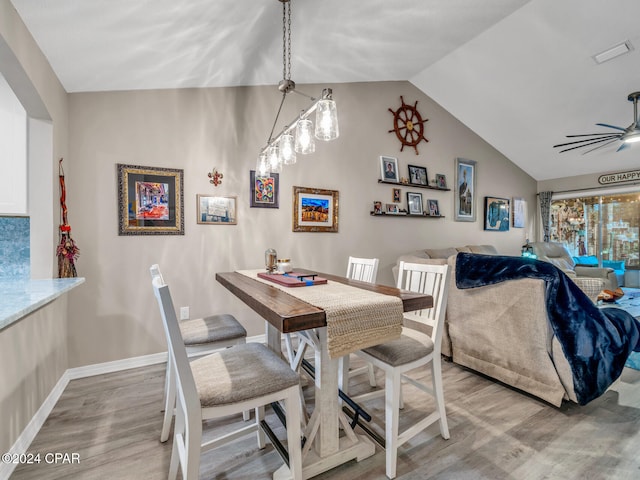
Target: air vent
(613, 52)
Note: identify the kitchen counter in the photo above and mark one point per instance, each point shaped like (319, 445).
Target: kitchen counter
(21, 297)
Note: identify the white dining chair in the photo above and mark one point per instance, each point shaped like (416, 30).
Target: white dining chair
(413, 349)
(232, 380)
(365, 270)
(362, 269)
(201, 336)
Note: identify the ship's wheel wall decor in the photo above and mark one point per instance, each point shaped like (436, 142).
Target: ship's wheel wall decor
(408, 125)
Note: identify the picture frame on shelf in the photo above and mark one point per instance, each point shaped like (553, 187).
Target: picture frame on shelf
(150, 200)
(392, 209)
(465, 186)
(315, 210)
(441, 181)
(418, 175)
(519, 212)
(433, 208)
(377, 207)
(414, 203)
(496, 214)
(216, 210)
(264, 190)
(389, 169)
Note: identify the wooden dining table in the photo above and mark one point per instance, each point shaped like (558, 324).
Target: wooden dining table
(285, 313)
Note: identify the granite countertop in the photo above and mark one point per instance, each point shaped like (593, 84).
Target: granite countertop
(21, 297)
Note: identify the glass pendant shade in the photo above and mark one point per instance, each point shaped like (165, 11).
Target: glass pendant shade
(262, 166)
(327, 120)
(275, 162)
(304, 137)
(287, 149)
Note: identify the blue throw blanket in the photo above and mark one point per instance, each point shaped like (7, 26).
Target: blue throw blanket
(595, 341)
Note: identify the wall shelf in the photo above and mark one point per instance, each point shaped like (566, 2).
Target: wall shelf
(412, 185)
(403, 215)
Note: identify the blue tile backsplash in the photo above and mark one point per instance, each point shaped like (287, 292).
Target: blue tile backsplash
(14, 248)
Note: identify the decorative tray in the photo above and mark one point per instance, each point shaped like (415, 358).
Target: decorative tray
(293, 279)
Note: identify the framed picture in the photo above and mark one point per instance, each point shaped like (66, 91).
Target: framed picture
(315, 210)
(433, 208)
(441, 181)
(150, 201)
(392, 209)
(465, 196)
(418, 175)
(264, 191)
(215, 210)
(414, 202)
(396, 195)
(496, 214)
(389, 169)
(519, 207)
(377, 207)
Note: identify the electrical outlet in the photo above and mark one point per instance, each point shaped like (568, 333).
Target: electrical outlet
(184, 313)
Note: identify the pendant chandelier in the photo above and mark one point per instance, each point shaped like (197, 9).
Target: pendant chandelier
(297, 137)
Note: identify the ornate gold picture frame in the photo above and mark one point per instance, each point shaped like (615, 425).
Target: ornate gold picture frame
(315, 210)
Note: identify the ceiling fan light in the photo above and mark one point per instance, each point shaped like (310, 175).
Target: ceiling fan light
(632, 138)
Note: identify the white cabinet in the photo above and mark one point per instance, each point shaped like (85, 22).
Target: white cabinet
(13, 153)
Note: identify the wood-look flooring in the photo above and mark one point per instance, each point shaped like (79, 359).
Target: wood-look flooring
(113, 421)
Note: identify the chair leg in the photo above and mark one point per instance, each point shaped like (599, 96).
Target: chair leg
(392, 414)
(372, 375)
(436, 374)
(169, 402)
(260, 433)
(293, 435)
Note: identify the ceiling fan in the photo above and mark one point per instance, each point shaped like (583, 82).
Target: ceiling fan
(627, 135)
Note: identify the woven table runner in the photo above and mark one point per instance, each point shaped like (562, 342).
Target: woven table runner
(356, 318)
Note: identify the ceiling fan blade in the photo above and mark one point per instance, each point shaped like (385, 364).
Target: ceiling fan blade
(624, 146)
(600, 146)
(585, 140)
(590, 134)
(610, 126)
(600, 140)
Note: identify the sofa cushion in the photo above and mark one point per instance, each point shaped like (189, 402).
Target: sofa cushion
(483, 249)
(441, 252)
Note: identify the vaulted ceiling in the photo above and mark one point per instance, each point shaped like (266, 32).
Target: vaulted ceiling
(520, 73)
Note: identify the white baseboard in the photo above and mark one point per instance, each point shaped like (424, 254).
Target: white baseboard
(23, 442)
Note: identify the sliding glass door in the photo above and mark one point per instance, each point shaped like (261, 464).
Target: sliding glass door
(605, 227)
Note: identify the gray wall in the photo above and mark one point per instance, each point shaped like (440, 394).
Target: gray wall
(34, 350)
(114, 315)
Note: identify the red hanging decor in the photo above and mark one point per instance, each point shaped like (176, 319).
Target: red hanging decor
(67, 250)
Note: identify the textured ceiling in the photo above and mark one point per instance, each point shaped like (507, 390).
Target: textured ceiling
(517, 72)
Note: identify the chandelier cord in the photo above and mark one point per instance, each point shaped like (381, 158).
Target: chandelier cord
(286, 40)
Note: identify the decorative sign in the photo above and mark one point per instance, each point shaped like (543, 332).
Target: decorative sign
(622, 177)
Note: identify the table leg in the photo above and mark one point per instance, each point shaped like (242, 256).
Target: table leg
(330, 450)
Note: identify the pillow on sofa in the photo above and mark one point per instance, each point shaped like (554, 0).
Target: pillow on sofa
(586, 261)
(483, 249)
(441, 252)
(615, 264)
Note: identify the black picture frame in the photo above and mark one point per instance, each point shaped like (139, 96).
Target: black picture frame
(264, 191)
(418, 175)
(497, 214)
(414, 203)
